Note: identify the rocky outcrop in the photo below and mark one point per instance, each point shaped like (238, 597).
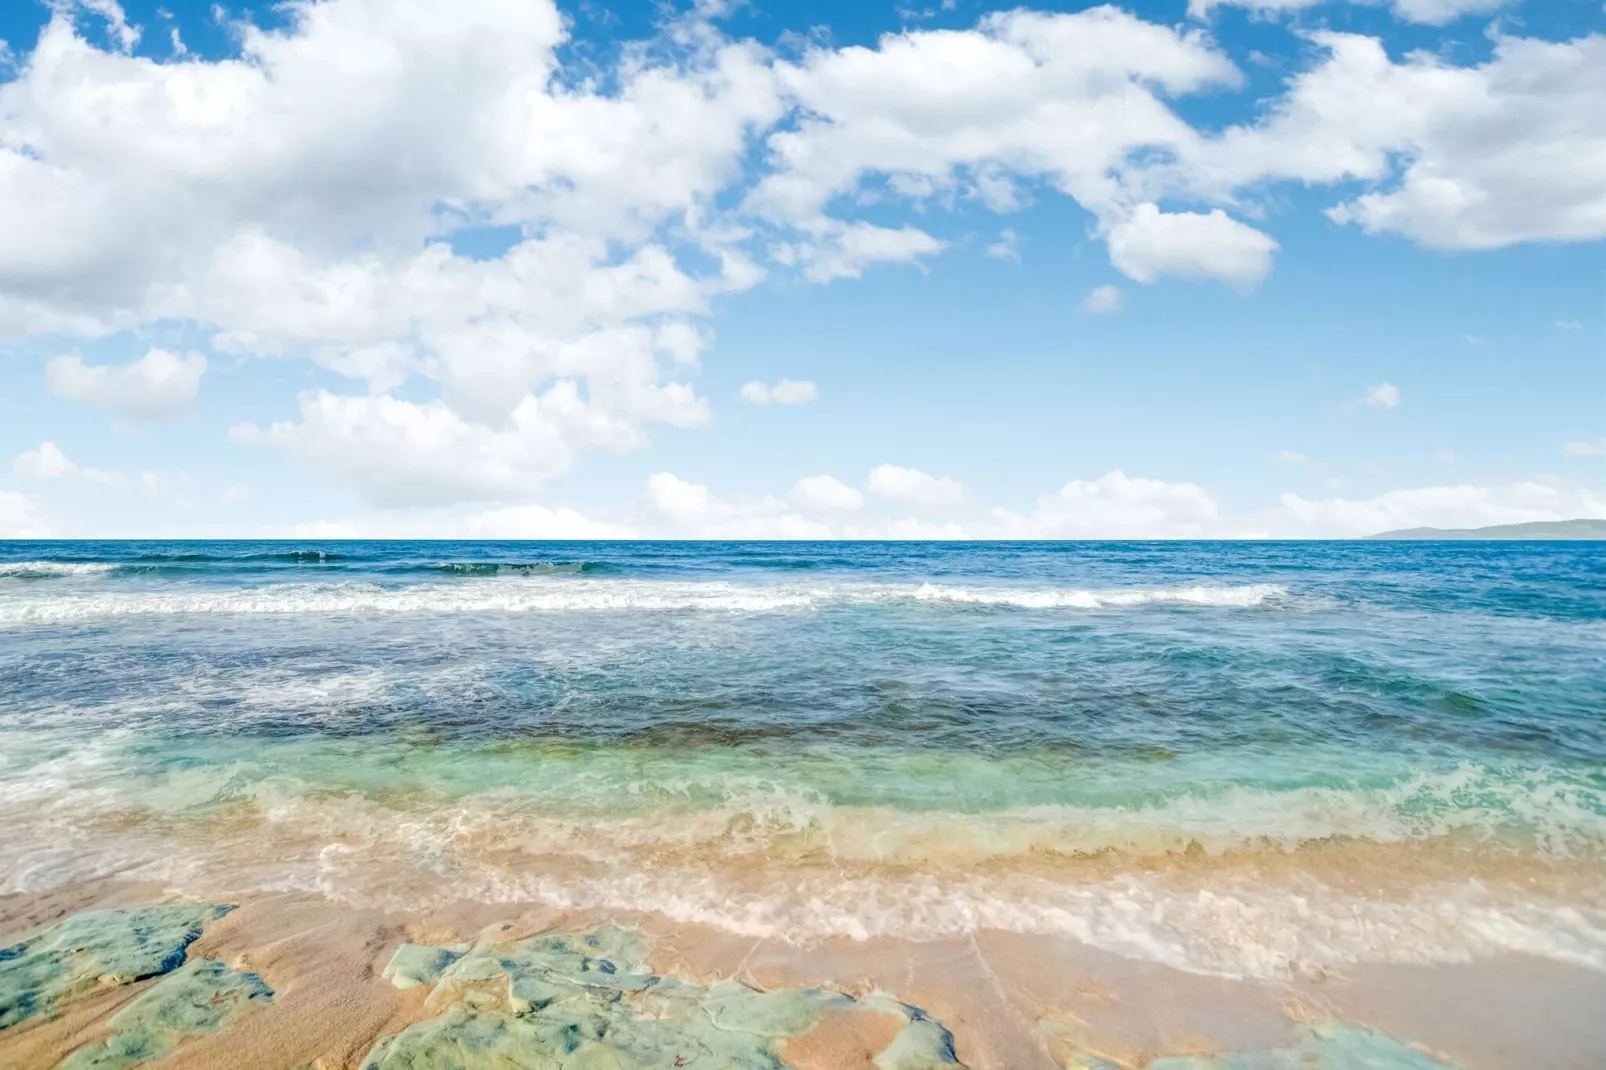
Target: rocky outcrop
(586, 1001)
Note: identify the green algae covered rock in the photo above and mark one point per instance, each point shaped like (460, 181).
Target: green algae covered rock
(93, 949)
(199, 997)
(414, 964)
(587, 1002)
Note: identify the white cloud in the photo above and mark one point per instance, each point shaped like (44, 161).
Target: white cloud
(785, 392)
(1569, 325)
(823, 494)
(1596, 448)
(1102, 300)
(915, 487)
(1476, 157)
(831, 250)
(1007, 247)
(159, 385)
(1287, 456)
(226, 195)
(1149, 243)
(1444, 456)
(1066, 98)
(123, 35)
(1431, 12)
(1383, 396)
(285, 227)
(511, 522)
(21, 517)
(1459, 506)
(404, 453)
(1118, 506)
(678, 507)
(48, 462)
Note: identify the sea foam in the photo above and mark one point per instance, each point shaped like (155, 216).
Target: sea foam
(541, 594)
(35, 570)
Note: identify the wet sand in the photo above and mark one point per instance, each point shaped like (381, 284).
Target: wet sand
(1011, 1001)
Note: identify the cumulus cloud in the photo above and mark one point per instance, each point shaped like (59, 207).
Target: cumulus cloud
(785, 392)
(1458, 506)
(1431, 12)
(1458, 157)
(1066, 98)
(226, 195)
(287, 228)
(1102, 300)
(914, 487)
(160, 385)
(824, 494)
(405, 453)
(1149, 243)
(510, 522)
(1118, 506)
(1382, 396)
(677, 506)
(1007, 247)
(21, 517)
(48, 462)
(832, 250)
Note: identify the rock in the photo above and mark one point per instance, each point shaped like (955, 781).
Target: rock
(587, 1002)
(198, 998)
(96, 948)
(414, 964)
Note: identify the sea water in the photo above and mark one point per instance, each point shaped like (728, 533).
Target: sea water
(1250, 759)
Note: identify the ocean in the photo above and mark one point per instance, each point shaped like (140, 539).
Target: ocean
(1260, 760)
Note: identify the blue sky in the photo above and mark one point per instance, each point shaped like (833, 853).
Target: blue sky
(388, 267)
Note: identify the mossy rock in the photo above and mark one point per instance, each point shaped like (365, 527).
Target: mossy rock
(96, 949)
(588, 1002)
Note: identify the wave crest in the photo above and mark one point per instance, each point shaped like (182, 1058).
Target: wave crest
(37, 570)
(538, 594)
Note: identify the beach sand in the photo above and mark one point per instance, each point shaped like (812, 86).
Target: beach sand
(1009, 1001)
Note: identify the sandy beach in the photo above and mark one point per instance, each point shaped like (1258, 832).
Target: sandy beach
(1008, 1001)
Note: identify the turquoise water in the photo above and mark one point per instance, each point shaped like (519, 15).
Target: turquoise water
(1235, 757)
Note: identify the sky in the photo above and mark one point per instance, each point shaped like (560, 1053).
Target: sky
(775, 269)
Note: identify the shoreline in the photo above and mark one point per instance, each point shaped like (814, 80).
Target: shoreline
(1010, 1001)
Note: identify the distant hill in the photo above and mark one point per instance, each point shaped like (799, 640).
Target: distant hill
(1546, 529)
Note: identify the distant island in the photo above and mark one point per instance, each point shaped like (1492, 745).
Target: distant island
(1544, 529)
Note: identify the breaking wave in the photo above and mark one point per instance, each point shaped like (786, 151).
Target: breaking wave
(580, 595)
(37, 570)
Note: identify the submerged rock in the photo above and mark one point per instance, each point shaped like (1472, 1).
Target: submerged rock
(414, 964)
(94, 949)
(585, 1002)
(198, 998)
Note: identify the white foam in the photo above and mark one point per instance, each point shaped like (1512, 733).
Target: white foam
(778, 862)
(30, 570)
(1072, 598)
(553, 595)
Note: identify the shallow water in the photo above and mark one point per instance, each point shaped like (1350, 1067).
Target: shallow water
(1253, 759)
